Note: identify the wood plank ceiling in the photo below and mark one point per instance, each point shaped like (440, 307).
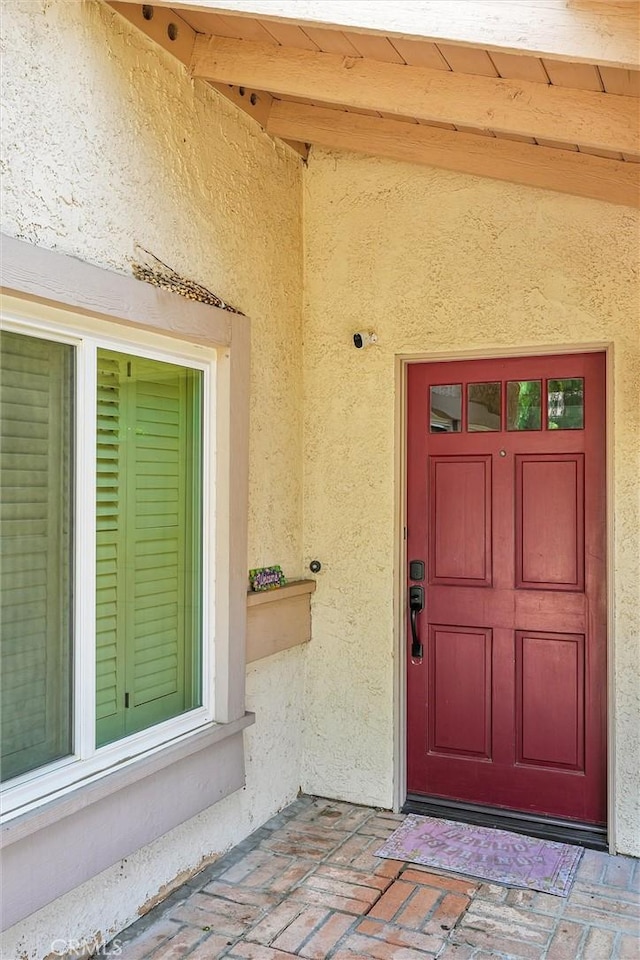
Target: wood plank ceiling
(274, 70)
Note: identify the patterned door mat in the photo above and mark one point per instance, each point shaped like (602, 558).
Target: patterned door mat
(483, 852)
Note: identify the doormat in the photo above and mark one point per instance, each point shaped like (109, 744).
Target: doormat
(486, 853)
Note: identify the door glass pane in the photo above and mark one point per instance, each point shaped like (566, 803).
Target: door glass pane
(523, 405)
(36, 451)
(446, 408)
(149, 543)
(483, 407)
(565, 404)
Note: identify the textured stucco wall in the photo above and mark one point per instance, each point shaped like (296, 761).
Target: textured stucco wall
(107, 143)
(436, 262)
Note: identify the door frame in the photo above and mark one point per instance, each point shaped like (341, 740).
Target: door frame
(402, 363)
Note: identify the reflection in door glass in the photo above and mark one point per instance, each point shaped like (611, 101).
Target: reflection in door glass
(565, 404)
(446, 408)
(523, 405)
(483, 407)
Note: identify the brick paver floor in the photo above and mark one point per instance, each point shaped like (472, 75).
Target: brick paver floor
(306, 884)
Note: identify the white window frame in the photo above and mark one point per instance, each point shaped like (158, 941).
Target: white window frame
(87, 335)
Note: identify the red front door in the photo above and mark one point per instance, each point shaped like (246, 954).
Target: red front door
(506, 508)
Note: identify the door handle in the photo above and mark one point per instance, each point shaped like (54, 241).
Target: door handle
(416, 606)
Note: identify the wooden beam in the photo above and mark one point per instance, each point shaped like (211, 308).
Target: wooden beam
(606, 32)
(613, 181)
(161, 25)
(256, 104)
(516, 107)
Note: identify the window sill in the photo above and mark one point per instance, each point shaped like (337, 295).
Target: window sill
(278, 619)
(66, 841)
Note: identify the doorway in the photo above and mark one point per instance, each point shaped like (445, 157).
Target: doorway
(506, 594)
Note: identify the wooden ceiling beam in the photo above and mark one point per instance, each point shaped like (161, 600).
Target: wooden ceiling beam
(517, 107)
(252, 102)
(606, 32)
(563, 171)
(160, 24)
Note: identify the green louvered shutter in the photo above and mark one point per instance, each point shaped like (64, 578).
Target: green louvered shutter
(36, 380)
(149, 545)
(111, 469)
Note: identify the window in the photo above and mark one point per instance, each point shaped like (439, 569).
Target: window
(106, 548)
(565, 404)
(148, 543)
(523, 406)
(36, 555)
(75, 786)
(446, 408)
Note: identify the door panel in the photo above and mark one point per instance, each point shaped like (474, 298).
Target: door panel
(550, 700)
(550, 521)
(460, 505)
(460, 710)
(506, 505)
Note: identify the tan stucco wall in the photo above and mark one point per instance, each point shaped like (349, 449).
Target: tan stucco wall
(107, 143)
(436, 262)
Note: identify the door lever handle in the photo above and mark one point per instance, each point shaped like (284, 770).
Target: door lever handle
(416, 606)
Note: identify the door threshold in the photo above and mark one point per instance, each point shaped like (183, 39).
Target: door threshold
(588, 835)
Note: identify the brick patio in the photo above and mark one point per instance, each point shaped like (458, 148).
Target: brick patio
(306, 884)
